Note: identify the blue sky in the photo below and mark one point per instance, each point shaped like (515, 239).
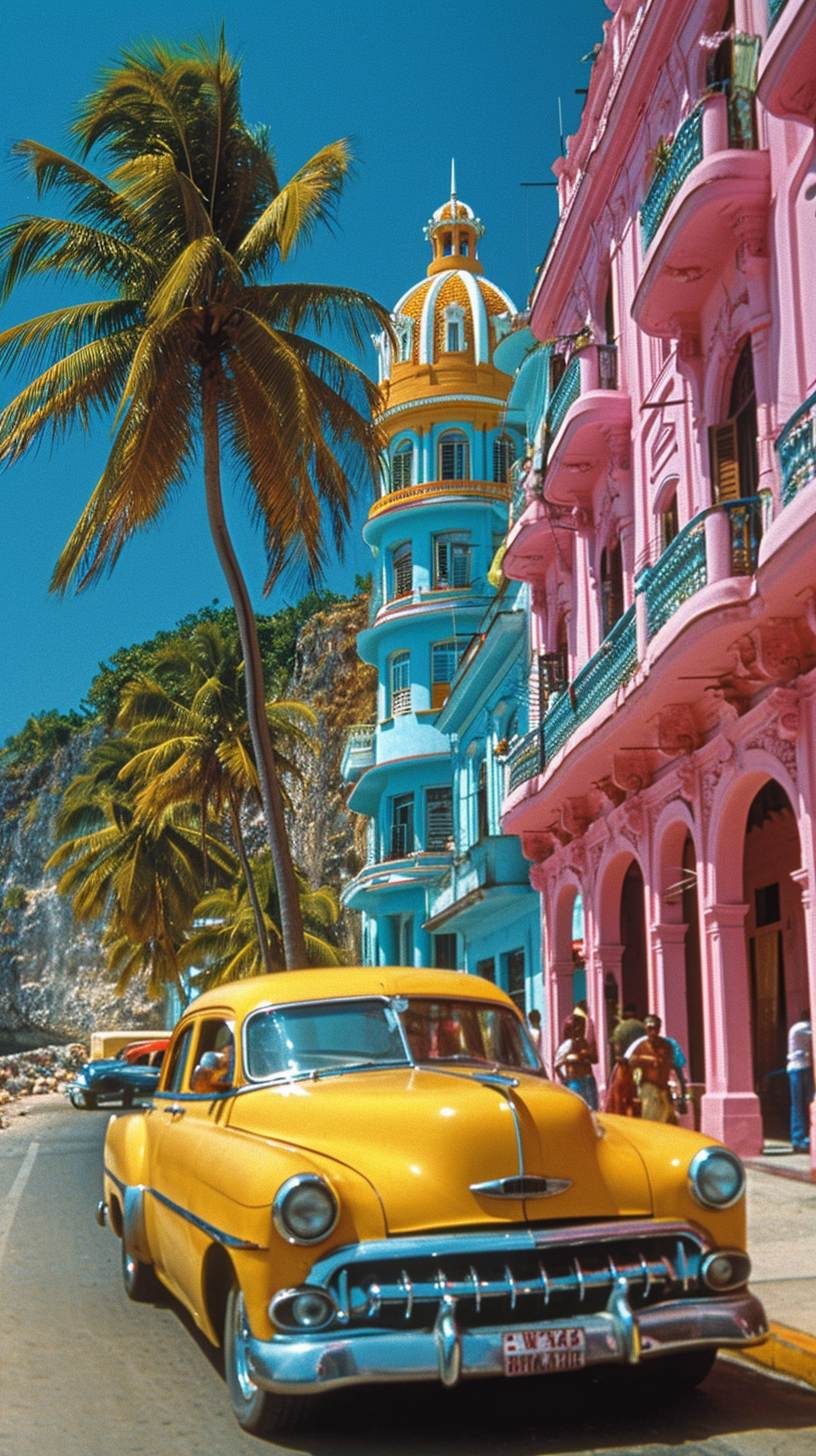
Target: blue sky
(413, 84)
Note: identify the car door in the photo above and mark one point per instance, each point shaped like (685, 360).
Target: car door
(186, 1140)
(166, 1205)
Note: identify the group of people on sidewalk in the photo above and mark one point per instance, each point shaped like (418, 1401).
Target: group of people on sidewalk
(647, 1076)
(644, 1064)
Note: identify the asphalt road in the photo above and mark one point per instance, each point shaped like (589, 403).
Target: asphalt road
(83, 1372)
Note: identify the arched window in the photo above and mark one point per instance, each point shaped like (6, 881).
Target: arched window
(400, 683)
(453, 456)
(734, 458)
(444, 662)
(402, 466)
(669, 523)
(504, 453)
(611, 587)
(402, 568)
(454, 334)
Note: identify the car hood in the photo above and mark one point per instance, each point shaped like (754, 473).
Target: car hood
(424, 1138)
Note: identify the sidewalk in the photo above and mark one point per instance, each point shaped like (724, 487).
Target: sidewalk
(782, 1245)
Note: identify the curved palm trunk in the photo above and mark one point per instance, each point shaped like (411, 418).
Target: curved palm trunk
(252, 889)
(294, 945)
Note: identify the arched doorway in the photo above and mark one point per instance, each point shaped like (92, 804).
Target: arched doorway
(775, 943)
(634, 963)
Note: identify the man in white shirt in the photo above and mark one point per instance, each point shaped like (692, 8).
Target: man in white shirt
(800, 1076)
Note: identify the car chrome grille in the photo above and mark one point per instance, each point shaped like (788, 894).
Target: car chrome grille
(527, 1278)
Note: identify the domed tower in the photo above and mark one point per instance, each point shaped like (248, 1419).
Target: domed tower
(433, 532)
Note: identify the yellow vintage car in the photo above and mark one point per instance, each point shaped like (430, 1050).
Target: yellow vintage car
(352, 1176)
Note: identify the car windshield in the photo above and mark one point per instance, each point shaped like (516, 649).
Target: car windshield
(474, 1032)
(333, 1036)
(323, 1036)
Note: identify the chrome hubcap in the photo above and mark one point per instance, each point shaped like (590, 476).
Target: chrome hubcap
(240, 1336)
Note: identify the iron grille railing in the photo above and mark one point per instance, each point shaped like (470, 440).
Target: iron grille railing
(401, 841)
(566, 393)
(681, 571)
(686, 152)
(525, 760)
(796, 448)
(676, 576)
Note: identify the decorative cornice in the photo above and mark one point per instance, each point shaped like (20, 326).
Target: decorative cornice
(410, 404)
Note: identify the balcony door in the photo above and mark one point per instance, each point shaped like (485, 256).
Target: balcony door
(402, 826)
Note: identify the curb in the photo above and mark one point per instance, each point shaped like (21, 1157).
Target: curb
(785, 1352)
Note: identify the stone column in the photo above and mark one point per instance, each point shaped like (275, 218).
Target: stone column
(559, 998)
(802, 879)
(806, 825)
(669, 958)
(730, 1107)
(606, 961)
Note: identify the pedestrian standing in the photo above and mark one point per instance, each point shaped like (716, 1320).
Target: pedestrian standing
(573, 1062)
(800, 1077)
(652, 1063)
(628, 1030)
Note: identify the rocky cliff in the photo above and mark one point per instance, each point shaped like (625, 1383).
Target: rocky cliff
(52, 971)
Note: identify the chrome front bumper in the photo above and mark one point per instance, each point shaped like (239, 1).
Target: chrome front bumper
(307, 1364)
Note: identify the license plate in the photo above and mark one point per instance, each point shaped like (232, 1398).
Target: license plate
(543, 1352)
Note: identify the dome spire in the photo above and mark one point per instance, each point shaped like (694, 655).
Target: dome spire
(453, 187)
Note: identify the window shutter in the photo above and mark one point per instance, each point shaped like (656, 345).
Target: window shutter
(443, 563)
(725, 471)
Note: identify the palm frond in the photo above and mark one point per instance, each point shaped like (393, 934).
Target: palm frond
(31, 246)
(71, 391)
(308, 200)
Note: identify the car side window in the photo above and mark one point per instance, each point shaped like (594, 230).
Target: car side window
(214, 1060)
(178, 1061)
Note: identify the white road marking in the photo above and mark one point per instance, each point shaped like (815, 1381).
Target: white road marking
(8, 1205)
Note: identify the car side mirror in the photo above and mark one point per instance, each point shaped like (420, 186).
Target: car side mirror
(212, 1073)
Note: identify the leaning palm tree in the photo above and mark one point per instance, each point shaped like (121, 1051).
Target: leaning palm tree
(143, 880)
(224, 943)
(188, 338)
(189, 723)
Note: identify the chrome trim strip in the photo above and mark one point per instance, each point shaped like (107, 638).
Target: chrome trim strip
(526, 1186)
(228, 1240)
(310, 1364)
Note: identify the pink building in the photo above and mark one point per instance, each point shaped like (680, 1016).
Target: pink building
(668, 527)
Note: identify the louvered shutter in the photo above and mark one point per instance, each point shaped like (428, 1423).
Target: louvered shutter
(725, 471)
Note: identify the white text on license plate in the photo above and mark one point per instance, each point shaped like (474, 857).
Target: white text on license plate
(540, 1352)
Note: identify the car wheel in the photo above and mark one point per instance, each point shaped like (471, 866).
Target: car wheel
(79, 1099)
(258, 1411)
(139, 1279)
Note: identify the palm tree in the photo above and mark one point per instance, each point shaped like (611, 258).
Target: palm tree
(187, 337)
(144, 880)
(189, 723)
(225, 940)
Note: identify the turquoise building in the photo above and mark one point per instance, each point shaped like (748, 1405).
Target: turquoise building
(448, 637)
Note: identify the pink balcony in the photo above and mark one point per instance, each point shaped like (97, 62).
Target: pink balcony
(787, 70)
(589, 422)
(710, 197)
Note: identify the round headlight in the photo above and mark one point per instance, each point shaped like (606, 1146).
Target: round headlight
(305, 1209)
(716, 1177)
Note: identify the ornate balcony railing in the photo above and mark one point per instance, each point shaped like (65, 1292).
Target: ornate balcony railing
(775, 8)
(358, 750)
(682, 569)
(676, 575)
(567, 391)
(685, 154)
(519, 498)
(525, 760)
(609, 669)
(431, 489)
(796, 448)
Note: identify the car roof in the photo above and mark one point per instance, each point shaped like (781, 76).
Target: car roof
(286, 987)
